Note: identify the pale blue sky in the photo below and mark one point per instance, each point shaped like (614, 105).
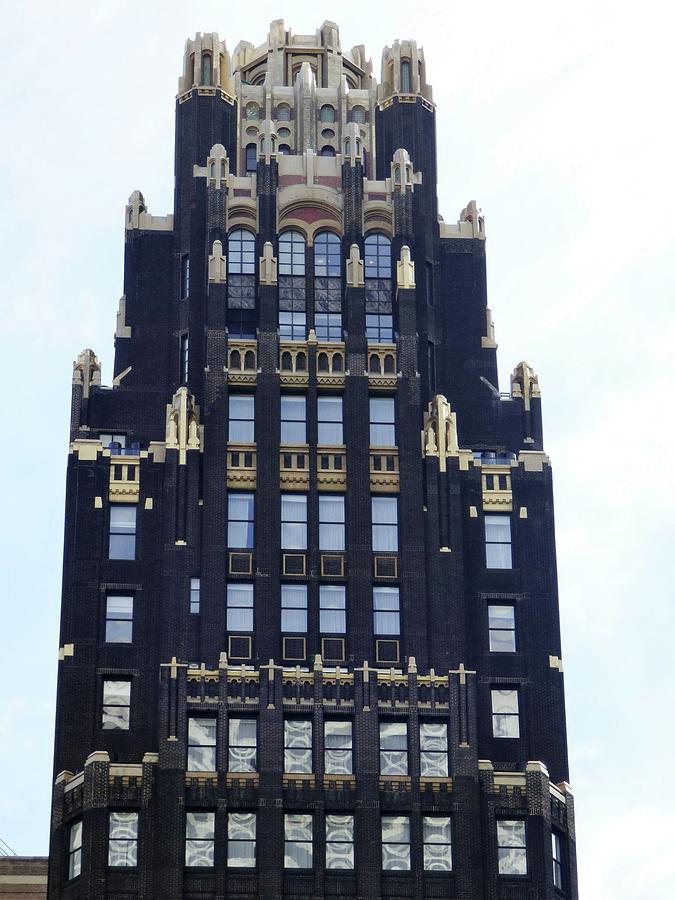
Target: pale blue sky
(556, 119)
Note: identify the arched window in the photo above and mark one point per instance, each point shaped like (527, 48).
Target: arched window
(328, 286)
(241, 317)
(251, 158)
(397, 175)
(379, 303)
(222, 168)
(327, 150)
(405, 76)
(191, 70)
(284, 149)
(206, 68)
(358, 114)
(212, 170)
(348, 144)
(327, 113)
(283, 112)
(252, 111)
(292, 287)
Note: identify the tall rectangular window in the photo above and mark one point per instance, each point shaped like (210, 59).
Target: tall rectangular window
(293, 521)
(184, 357)
(293, 419)
(339, 842)
(433, 749)
(241, 409)
(505, 716)
(384, 512)
(240, 520)
(382, 422)
(243, 743)
(332, 609)
(396, 843)
(331, 522)
(502, 628)
(239, 606)
(298, 746)
(184, 275)
(337, 757)
(123, 840)
(75, 849)
(201, 744)
(437, 838)
(119, 619)
(195, 594)
(200, 839)
(556, 851)
(393, 748)
(511, 847)
(122, 541)
(386, 611)
(498, 541)
(294, 608)
(241, 840)
(116, 705)
(297, 841)
(329, 415)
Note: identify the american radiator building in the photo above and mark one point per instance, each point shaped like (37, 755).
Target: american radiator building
(309, 637)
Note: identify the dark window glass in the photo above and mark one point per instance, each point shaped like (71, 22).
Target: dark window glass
(327, 150)
(327, 113)
(284, 149)
(251, 158)
(206, 69)
(379, 302)
(556, 851)
(328, 286)
(292, 287)
(405, 76)
(283, 112)
(358, 114)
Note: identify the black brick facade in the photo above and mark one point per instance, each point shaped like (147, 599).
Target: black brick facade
(181, 664)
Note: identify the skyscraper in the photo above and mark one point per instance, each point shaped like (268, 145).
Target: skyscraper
(309, 636)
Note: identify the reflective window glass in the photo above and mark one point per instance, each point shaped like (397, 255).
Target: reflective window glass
(297, 746)
(339, 842)
(396, 843)
(123, 839)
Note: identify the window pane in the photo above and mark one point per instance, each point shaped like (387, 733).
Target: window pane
(512, 861)
(339, 842)
(505, 701)
(298, 733)
(502, 641)
(498, 556)
(332, 609)
(511, 833)
(395, 842)
(338, 734)
(241, 835)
